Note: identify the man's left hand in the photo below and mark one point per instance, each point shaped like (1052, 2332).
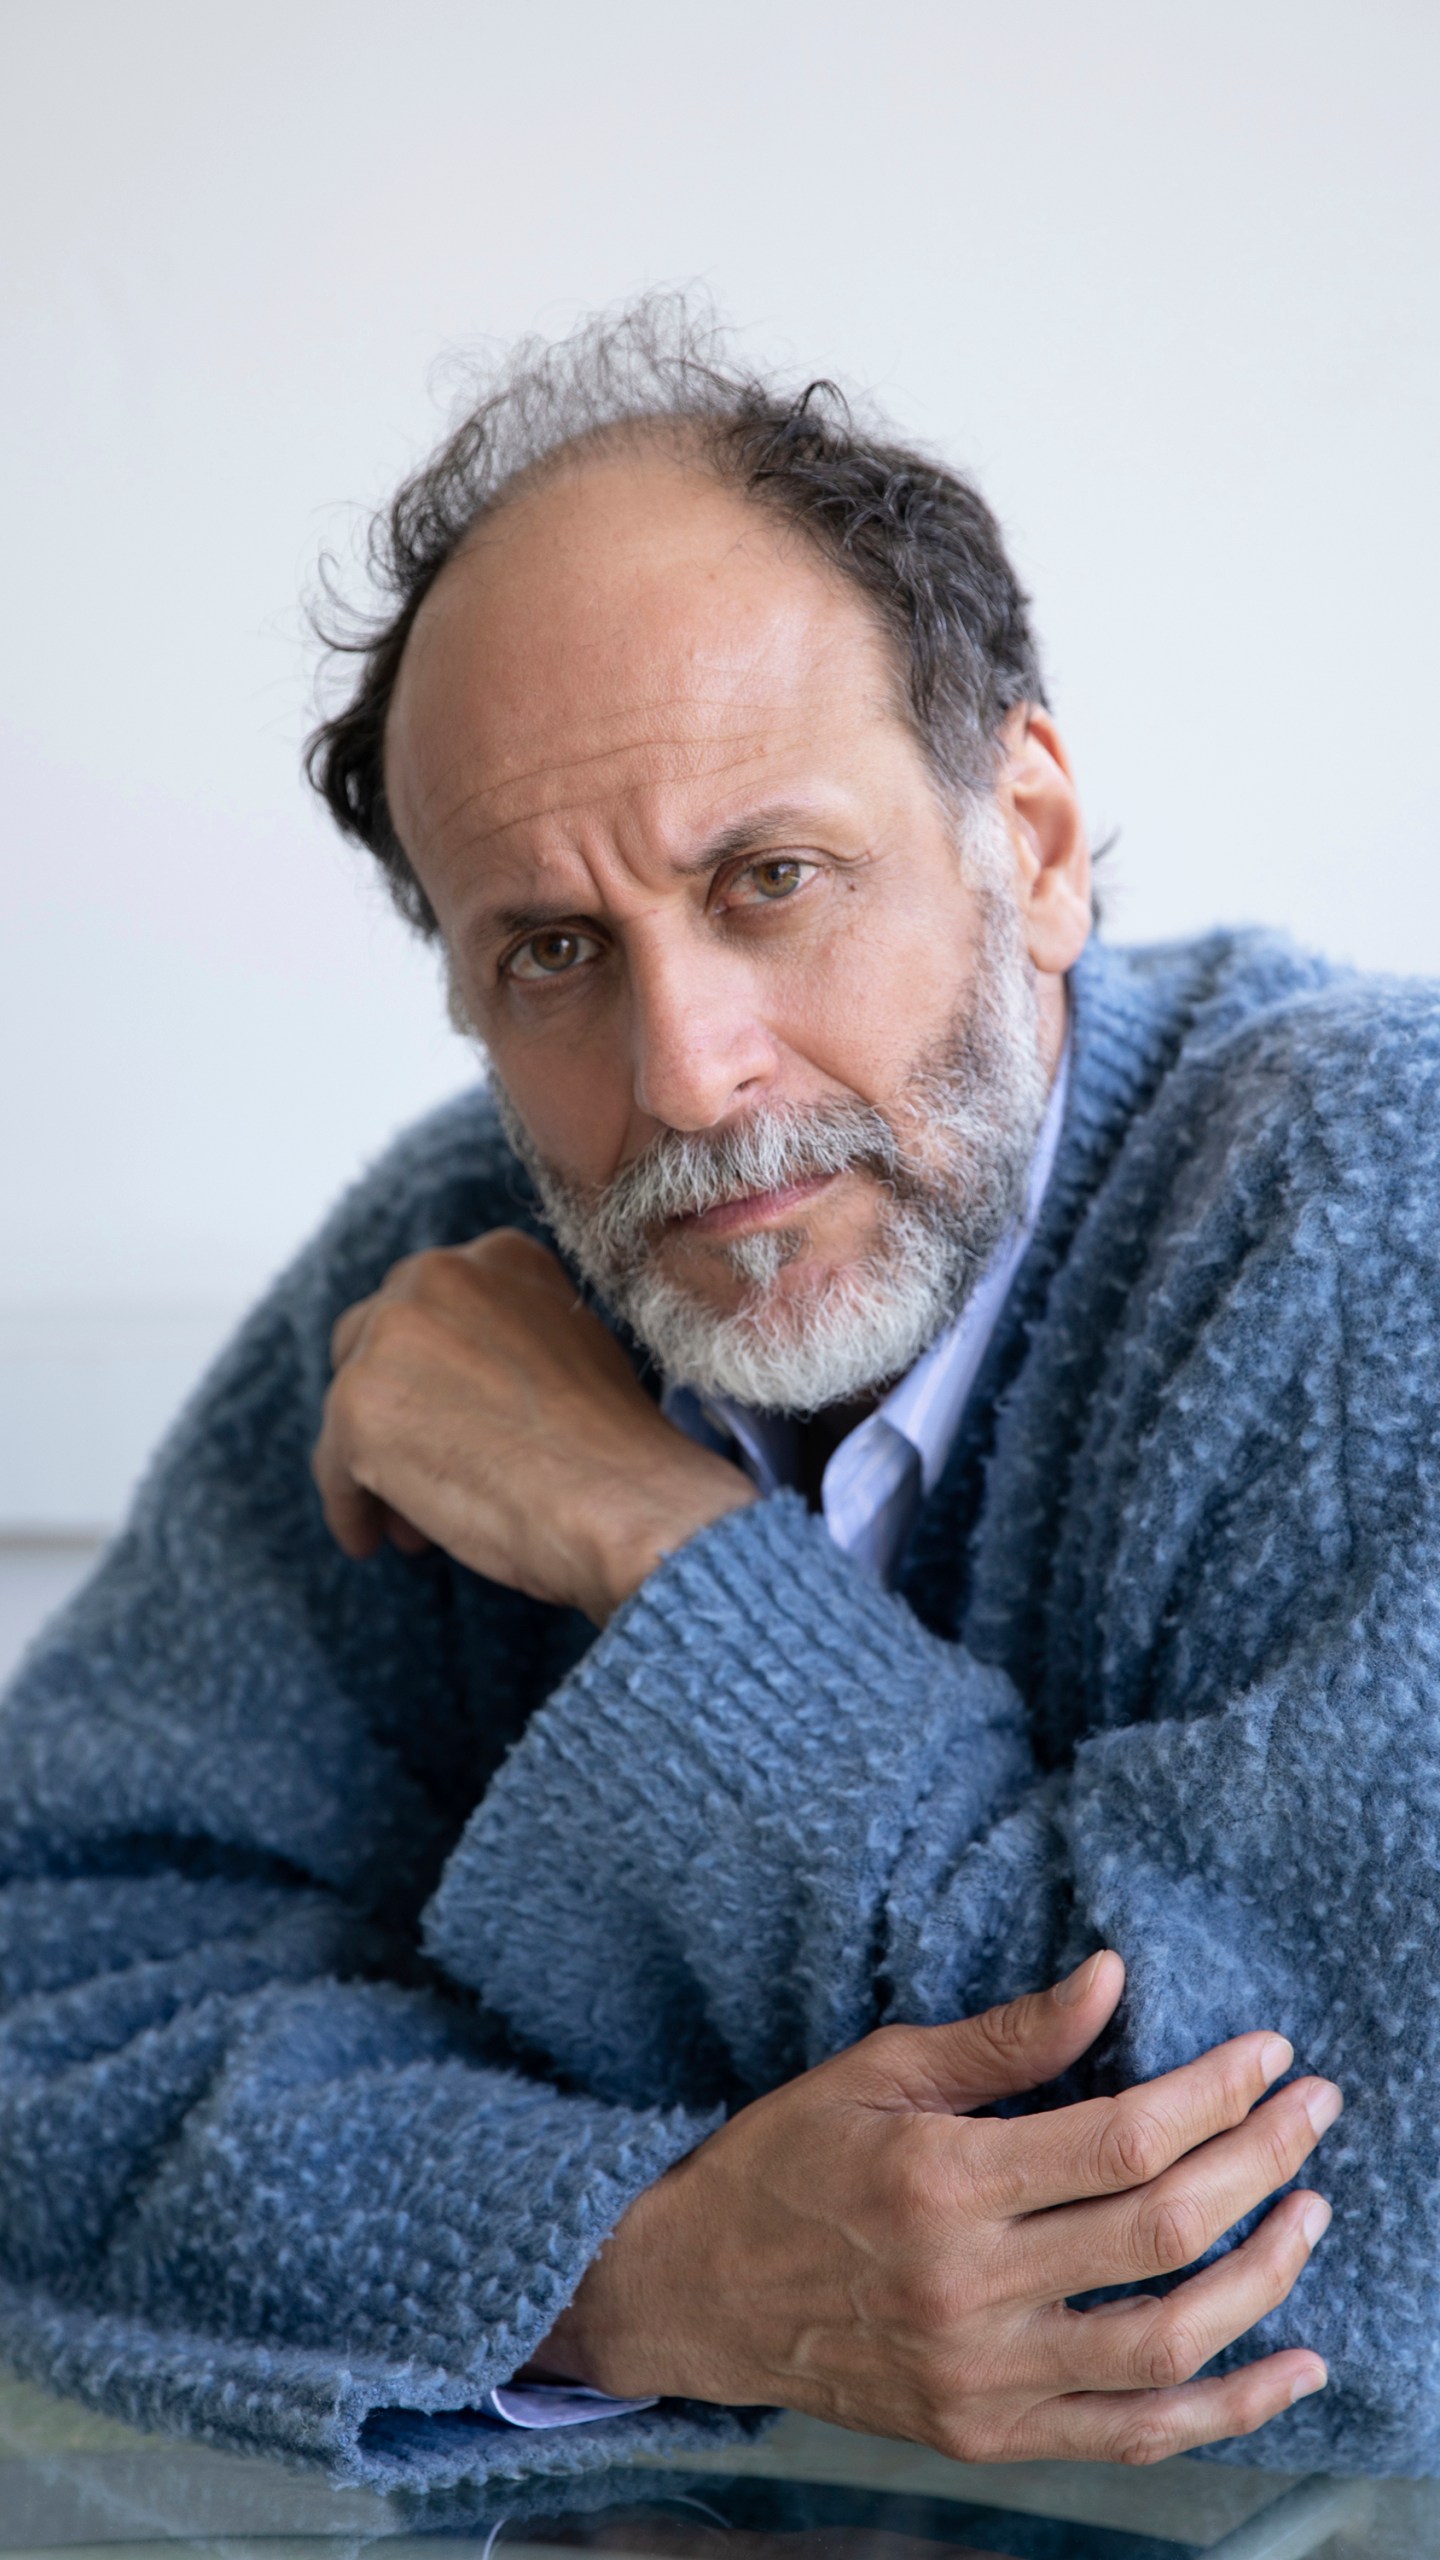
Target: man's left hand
(478, 1406)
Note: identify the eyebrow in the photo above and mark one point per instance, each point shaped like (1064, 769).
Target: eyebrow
(750, 834)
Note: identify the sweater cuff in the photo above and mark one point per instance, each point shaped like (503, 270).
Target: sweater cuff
(762, 1668)
(392, 2421)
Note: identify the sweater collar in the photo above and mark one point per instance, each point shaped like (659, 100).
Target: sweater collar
(1128, 1012)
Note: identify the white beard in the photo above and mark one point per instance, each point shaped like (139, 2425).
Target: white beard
(947, 1198)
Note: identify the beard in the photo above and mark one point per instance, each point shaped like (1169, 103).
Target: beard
(952, 1169)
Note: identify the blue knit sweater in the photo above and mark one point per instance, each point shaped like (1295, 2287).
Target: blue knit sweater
(371, 1935)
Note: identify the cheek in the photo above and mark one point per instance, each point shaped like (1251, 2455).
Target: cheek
(575, 1106)
(878, 996)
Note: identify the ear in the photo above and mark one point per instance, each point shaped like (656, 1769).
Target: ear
(1036, 792)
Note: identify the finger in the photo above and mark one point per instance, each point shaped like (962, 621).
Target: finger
(345, 1332)
(402, 1533)
(1151, 2344)
(1173, 2220)
(1148, 2426)
(354, 1518)
(971, 2061)
(356, 1521)
(1104, 2146)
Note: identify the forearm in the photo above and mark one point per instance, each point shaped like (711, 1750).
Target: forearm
(717, 1854)
(248, 2179)
(738, 1767)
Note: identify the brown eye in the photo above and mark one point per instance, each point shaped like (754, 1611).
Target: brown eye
(777, 879)
(552, 954)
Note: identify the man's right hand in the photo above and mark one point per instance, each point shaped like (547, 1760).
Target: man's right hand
(859, 2246)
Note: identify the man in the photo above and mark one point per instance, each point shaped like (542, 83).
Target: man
(957, 1510)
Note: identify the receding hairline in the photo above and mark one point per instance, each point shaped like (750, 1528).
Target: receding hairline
(910, 533)
(685, 447)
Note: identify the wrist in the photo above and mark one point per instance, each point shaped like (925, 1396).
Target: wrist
(610, 2336)
(631, 1546)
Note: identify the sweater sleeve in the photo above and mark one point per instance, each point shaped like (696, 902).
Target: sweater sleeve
(741, 1819)
(778, 1810)
(263, 2177)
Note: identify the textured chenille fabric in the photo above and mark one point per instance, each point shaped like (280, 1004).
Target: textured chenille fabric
(370, 1935)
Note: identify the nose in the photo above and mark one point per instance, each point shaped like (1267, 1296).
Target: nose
(700, 1047)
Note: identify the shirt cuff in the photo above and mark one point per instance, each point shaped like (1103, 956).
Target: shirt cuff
(555, 2404)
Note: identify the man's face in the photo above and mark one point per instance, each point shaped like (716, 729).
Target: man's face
(691, 867)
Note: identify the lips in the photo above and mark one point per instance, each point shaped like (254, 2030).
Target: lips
(753, 1209)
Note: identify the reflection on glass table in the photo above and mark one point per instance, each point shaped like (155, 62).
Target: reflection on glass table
(72, 2482)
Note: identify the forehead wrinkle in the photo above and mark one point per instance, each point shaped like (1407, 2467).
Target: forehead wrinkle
(688, 765)
(774, 823)
(703, 700)
(680, 685)
(688, 751)
(765, 823)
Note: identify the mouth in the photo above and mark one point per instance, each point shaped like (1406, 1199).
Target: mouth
(752, 1210)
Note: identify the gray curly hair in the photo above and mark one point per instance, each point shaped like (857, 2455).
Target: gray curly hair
(915, 538)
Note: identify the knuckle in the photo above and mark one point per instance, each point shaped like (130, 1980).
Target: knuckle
(1287, 2138)
(1150, 2435)
(963, 2436)
(439, 1274)
(401, 1328)
(364, 1397)
(1007, 2029)
(1250, 2406)
(1169, 2354)
(888, 2048)
(1132, 2147)
(402, 1276)
(507, 1253)
(1172, 2232)
(917, 2186)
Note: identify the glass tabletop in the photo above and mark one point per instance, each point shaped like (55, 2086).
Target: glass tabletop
(72, 2482)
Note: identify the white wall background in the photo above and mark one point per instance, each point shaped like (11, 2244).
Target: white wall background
(1162, 271)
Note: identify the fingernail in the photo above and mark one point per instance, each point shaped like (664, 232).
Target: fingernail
(1323, 2104)
(1315, 2219)
(1276, 2055)
(1076, 1984)
(1307, 2383)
